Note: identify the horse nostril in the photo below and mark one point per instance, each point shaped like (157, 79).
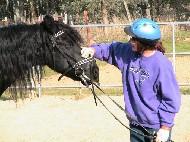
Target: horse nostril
(96, 74)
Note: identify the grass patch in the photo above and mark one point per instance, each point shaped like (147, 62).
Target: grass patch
(48, 72)
(181, 46)
(75, 93)
(185, 90)
(82, 91)
(60, 91)
(5, 98)
(182, 34)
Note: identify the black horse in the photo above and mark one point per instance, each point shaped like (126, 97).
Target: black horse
(24, 48)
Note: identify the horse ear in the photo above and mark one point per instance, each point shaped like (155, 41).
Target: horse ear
(49, 24)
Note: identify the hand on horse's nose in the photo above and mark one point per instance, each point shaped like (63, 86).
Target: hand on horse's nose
(87, 52)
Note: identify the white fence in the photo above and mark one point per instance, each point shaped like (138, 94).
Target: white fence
(174, 34)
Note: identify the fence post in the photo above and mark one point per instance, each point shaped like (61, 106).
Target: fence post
(39, 82)
(173, 46)
(39, 89)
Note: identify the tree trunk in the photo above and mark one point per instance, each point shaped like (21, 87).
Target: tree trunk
(152, 9)
(104, 17)
(127, 11)
(104, 14)
(148, 11)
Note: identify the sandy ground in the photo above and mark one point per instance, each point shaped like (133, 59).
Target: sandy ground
(64, 119)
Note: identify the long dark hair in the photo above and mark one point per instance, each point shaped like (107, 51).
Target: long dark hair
(159, 46)
(152, 45)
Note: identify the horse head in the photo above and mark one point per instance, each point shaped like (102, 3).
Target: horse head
(65, 52)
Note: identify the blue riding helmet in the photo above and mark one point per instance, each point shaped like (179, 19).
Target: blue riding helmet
(144, 29)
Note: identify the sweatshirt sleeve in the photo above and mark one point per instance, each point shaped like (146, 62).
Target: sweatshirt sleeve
(113, 53)
(170, 96)
(102, 51)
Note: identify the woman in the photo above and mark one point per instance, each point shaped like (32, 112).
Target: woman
(150, 89)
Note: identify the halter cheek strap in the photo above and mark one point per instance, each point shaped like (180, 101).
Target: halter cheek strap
(78, 65)
(59, 33)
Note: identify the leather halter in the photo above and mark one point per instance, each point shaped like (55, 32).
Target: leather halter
(77, 66)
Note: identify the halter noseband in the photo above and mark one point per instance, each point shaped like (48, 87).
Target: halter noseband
(79, 71)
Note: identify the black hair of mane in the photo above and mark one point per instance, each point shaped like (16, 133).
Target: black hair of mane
(21, 44)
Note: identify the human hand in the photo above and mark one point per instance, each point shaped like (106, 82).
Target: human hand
(87, 52)
(162, 135)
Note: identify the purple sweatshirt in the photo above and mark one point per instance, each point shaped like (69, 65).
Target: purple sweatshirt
(151, 92)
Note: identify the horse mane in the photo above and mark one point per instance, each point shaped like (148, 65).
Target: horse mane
(19, 46)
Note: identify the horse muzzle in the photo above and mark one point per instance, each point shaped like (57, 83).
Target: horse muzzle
(85, 71)
(89, 75)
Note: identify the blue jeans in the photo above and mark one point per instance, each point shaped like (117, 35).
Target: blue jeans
(134, 137)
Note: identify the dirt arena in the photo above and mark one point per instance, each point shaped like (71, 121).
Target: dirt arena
(64, 119)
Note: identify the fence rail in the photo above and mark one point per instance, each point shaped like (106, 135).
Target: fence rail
(122, 25)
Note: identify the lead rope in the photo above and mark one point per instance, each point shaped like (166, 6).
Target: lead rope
(94, 95)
